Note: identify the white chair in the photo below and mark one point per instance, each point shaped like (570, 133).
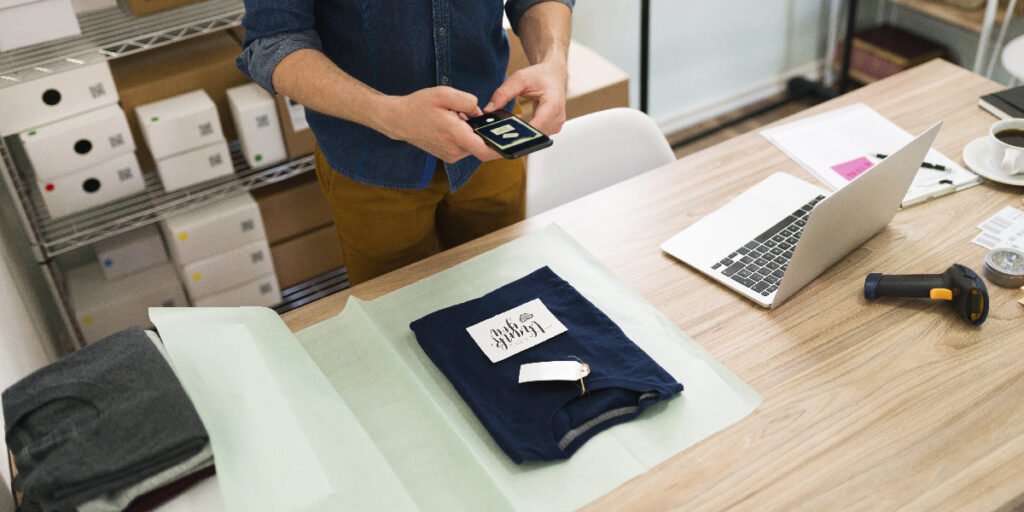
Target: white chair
(1013, 60)
(592, 152)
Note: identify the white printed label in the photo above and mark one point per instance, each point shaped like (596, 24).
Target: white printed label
(297, 113)
(515, 330)
(553, 370)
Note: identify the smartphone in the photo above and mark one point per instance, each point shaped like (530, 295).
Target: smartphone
(507, 134)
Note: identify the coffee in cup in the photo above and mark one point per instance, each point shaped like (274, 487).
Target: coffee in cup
(1006, 140)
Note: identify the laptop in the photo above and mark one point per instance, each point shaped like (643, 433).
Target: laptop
(778, 235)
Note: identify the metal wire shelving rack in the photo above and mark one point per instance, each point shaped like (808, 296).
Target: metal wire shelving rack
(109, 34)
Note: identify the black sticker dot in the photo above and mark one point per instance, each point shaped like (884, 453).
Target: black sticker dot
(51, 97)
(91, 185)
(83, 146)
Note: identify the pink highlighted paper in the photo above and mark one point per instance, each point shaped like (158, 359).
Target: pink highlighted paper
(853, 168)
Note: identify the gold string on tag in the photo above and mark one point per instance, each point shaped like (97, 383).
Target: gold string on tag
(583, 374)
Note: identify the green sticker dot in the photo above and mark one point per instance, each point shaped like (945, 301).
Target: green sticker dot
(154, 119)
(31, 133)
(258, 158)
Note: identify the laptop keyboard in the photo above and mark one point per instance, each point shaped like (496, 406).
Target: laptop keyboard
(760, 263)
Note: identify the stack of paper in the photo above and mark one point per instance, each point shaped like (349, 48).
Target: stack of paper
(1004, 229)
(838, 146)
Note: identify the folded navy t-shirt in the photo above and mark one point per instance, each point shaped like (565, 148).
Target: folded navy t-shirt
(552, 419)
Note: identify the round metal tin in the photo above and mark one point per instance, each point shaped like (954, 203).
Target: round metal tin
(1005, 267)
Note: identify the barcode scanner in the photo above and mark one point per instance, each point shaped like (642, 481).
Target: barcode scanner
(964, 290)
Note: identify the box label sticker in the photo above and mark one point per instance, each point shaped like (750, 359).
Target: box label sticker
(297, 114)
(518, 329)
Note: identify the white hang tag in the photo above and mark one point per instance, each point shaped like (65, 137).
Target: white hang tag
(553, 370)
(515, 330)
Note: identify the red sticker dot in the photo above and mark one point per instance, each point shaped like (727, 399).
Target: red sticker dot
(49, 187)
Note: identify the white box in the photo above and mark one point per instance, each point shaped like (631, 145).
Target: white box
(227, 270)
(213, 229)
(94, 186)
(131, 252)
(77, 142)
(259, 132)
(180, 123)
(260, 292)
(104, 307)
(63, 94)
(28, 23)
(195, 166)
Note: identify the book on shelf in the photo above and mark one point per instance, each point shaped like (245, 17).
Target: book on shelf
(1004, 104)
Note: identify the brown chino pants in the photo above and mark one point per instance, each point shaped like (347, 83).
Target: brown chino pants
(383, 229)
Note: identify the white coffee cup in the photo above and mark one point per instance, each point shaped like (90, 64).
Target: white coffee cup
(1005, 156)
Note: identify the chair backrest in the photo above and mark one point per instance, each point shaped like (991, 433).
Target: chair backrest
(592, 152)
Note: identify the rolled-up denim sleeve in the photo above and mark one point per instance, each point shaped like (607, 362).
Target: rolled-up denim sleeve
(274, 29)
(514, 9)
(260, 56)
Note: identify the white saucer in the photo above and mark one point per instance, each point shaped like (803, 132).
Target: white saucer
(976, 158)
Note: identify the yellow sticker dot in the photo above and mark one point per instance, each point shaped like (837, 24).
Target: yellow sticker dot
(87, 320)
(183, 236)
(197, 276)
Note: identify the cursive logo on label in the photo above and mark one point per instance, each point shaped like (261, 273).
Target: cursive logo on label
(515, 330)
(513, 333)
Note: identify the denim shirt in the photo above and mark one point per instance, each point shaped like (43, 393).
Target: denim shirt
(396, 47)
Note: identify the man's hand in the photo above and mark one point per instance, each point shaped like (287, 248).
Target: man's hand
(545, 84)
(433, 120)
(544, 30)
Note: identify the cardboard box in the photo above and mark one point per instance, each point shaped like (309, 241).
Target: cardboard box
(45, 100)
(85, 140)
(142, 7)
(229, 269)
(886, 50)
(206, 62)
(307, 256)
(595, 84)
(516, 55)
(255, 118)
(298, 138)
(30, 22)
(260, 292)
(293, 207)
(131, 252)
(213, 229)
(195, 166)
(104, 307)
(93, 186)
(181, 123)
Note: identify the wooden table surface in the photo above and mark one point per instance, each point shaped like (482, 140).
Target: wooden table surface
(896, 403)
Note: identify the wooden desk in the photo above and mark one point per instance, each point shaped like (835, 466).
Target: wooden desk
(896, 403)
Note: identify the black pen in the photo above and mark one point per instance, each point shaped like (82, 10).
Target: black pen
(926, 165)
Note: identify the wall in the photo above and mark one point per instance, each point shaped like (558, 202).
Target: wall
(708, 58)
(26, 329)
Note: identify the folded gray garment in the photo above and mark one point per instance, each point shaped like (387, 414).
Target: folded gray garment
(101, 419)
(116, 501)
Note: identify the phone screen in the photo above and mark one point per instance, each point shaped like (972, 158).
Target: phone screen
(505, 133)
(509, 135)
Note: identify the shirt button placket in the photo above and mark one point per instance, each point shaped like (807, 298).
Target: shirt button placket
(442, 32)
